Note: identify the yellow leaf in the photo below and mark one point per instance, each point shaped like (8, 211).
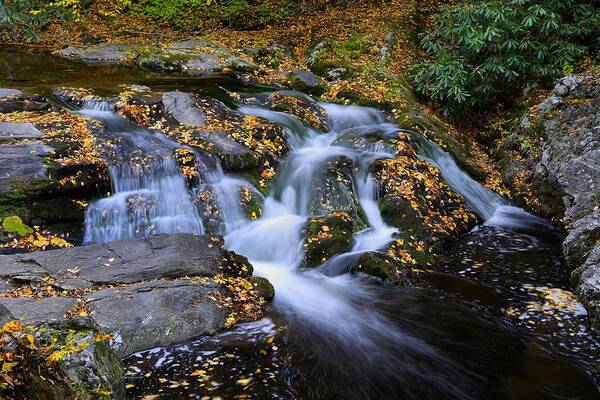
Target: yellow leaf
(12, 326)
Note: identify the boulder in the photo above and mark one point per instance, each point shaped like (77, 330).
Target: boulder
(146, 292)
(104, 53)
(327, 236)
(232, 155)
(21, 164)
(11, 131)
(159, 313)
(181, 107)
(308, 111)
(9, 92)
(305, 81)
(380, 266)
(126, 261)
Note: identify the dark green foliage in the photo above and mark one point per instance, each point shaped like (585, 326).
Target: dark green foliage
(481, 50)
(23, 19)
(241, 14)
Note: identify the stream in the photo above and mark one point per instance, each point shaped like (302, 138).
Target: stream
(483, 324)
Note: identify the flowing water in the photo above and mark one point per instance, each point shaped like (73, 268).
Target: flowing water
(483, 325)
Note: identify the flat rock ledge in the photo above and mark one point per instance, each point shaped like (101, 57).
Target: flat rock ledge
(144, 292)
(192, 57)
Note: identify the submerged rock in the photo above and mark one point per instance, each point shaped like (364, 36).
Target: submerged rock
(381, 266)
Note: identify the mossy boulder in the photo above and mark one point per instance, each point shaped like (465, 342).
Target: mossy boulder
(381, 266)
(264, 288)
(305, 81)
(327, 236)
(332, 191)
(329, 59)
(308, 111)
(415, 198)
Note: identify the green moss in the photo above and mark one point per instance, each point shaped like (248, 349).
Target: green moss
(380, 266)
(326, 237)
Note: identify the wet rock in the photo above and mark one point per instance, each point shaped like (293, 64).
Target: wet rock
(146, 292)
(232, 155)
(17, 103)
(327, 236)
(39, 312)
(566, 176)
(104, 53)
(11, 131)
(181, 106)
(305, 81)
(21, 165)
(380, 266)
(308, 111)
(9, 92)
(332, 191)
(414, 198)
(264, 287)
(126, 261)
(192, 57)
(151, 314)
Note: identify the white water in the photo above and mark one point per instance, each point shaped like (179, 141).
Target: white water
(493, 209)
(327, 299)
(150, 195)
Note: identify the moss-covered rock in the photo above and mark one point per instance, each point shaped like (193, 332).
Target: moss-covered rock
(305, 81)
(381, 266)
(415, 199)
(306, 110)
(333, 60)
(264, 288)
(327, 236)
(332, 191)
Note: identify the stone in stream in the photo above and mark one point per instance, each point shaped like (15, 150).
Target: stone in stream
(327, 236)
(181, 107)
(11, 131)
(381, 266)
(566, 174)
(9, 92)
(308, 111)
(147, 292)
(105, 53)
(305, 81)
(191, 57)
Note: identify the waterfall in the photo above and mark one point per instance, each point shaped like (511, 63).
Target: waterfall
(149, 193)
(493, 209)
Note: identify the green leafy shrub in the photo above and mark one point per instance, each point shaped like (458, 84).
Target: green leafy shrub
(481, 51)
(241, 14)
(24, 19)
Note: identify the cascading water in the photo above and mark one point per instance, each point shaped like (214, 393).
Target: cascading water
(149, 193)
(492, 208)
(326, 302)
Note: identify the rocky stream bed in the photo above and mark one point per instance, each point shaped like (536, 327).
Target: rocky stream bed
(234, 239)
